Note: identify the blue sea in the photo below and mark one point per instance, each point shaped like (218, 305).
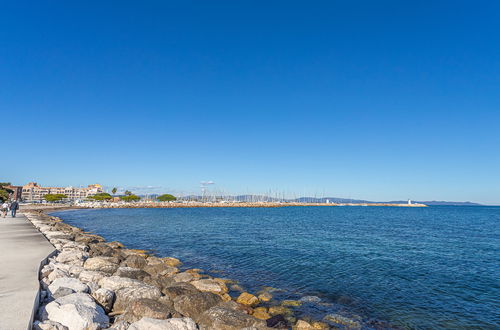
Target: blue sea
(410, 268)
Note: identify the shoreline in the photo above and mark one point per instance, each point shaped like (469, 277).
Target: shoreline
(123, 286)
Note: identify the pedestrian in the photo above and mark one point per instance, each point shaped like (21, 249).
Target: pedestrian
(14, 206)
(4, 208)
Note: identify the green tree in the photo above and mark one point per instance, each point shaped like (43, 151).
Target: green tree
(128, 193)
(54, 197)
(166, 198)
(5, 192)
(130, 198)
(113, 191)
(101, 197)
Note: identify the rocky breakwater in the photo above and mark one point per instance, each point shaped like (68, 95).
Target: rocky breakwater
(93, 284)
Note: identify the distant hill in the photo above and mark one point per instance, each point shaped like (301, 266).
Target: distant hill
(436, 203)
(262, 198)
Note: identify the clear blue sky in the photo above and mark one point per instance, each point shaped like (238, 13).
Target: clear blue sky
(377, 100)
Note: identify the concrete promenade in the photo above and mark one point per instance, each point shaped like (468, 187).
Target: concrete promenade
(22, 248)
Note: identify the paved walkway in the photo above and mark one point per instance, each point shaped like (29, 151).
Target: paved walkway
(22, 248)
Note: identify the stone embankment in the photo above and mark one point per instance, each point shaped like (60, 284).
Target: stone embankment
(226, 204)
(92, 284)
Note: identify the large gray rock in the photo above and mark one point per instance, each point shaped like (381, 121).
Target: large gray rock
(54, 235)
(195, 304)
(48, 325)
(160, 269)
(159, 281)
(115, 283)
(105, 298)
(77, 311)
(127, 295)
(103, 264)
(148, 308)
(120, 325)
(75, 270)
(183, 277)
(88, 276)
(209, 286)
(72, 256)
(223, 318)
(179, 289)
(72, 284)
(130, 272)
(135, 261)
(147, 323)
(57, 273)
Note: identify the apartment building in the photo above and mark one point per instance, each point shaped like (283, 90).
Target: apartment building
(32, 192)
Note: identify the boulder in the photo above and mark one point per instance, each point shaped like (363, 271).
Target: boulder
(57, 273)
(179, 289)
(261, 313)
(237, 307)
(72, 256)
(75, 270)
(275, 310)
(277, 321)
(105, 298)
(303, 325)
(87, 276)
(72, 284)
(88, 238)
(53, 235)
(115, 283)
(173, 262)
(101, 249)
(77, 311)
(102, 264)
(134, 261)
(61, 292)
(46, 270)
(48, 325)
(320, 325)
(160, 269)
(116, 245)
(194, 305)
(152, 260)
(223, 318)
(210, 286)
(147, 323)
(147, 308)
(120, 325)
(265, 296)
(159, 281)
(134, 273)
(125, 296)
(183, 277)
(248, 299)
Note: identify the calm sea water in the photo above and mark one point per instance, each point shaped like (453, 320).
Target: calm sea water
(425, 268)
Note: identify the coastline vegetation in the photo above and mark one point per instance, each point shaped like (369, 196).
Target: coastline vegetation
(166, 198)
(101, 197)
(5, 192)
(130, 198)
(54, 197)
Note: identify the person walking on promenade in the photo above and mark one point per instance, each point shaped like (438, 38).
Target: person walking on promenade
(5, 208)
(14, 206)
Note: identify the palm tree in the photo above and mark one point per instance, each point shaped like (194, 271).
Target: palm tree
(113, 191)
(128, 193)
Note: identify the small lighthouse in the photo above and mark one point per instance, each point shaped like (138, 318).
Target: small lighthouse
(409, 202)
